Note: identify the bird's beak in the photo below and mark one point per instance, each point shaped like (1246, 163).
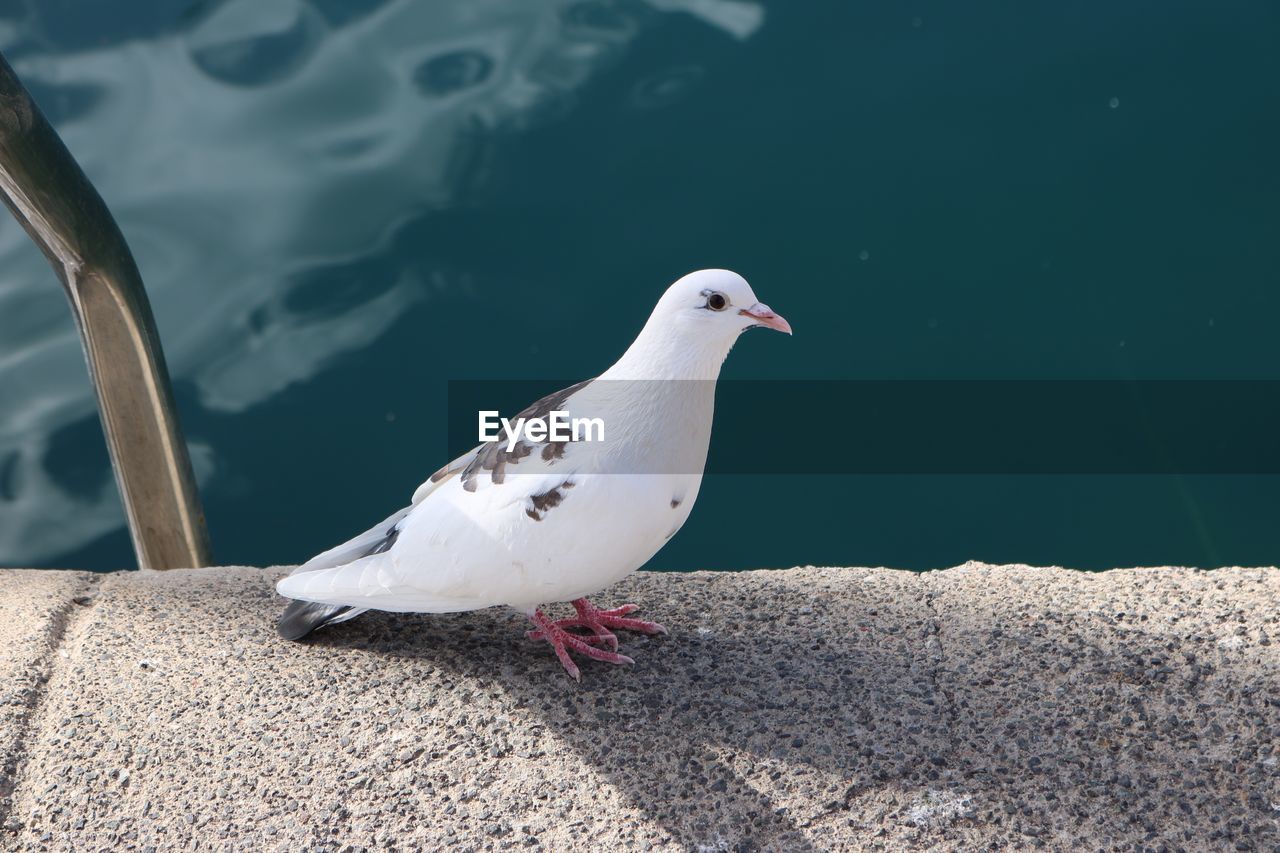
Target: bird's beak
(764, 316)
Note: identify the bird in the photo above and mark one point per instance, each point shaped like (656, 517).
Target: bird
(527, 519)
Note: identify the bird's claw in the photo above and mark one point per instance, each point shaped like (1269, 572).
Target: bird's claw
(589, 616)
(563, 641)
(599, 634)
(598, 622)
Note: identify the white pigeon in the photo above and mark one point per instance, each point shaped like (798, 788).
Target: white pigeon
(534, 521)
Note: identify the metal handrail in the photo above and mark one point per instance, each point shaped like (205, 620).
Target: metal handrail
(47, 192)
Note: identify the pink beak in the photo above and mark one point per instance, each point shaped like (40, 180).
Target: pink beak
(764, 316)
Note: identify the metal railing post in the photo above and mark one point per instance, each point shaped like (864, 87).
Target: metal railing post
(50, 196)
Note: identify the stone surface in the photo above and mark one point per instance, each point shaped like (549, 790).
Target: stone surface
(33, 612)
(1003, 707)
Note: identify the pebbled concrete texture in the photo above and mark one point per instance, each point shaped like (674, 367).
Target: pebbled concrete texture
(993, 707)
(34, 607)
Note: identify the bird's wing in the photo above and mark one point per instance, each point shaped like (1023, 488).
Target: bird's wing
(355, 565)
(493, 458)
(444, 475)
(379, 538)
(376, 539)
(371, 581)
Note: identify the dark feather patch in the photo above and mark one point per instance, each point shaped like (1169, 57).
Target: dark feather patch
(300, 618)
(547, 500)
(494, 457)
(393, 533)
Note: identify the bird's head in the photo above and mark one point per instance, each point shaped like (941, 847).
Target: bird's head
(693, 327)
(716, 304)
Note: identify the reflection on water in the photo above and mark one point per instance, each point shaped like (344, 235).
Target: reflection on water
(338, 205)
(384, 109)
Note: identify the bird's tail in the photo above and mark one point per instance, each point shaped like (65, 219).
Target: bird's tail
(300, 618)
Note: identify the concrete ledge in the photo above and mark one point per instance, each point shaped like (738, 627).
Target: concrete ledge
(34, 607)
(817, 709)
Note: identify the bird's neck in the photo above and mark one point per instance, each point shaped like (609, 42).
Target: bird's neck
(662, 351)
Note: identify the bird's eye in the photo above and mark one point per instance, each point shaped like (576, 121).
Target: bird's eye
(717, 301)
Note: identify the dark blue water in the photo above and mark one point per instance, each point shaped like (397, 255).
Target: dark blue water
(339, 206)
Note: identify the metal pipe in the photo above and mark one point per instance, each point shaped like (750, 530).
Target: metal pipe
(50, 196)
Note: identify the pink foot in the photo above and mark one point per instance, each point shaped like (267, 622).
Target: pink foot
(598, 622)
(601, 620)
(562, 641)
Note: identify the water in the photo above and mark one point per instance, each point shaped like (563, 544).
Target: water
(339, 205)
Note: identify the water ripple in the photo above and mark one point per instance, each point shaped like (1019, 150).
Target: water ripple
(257, 154)
(452, 72)
(265, 53)
(666, 88)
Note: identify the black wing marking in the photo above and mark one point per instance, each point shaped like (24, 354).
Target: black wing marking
(494, 456)
(393, 533)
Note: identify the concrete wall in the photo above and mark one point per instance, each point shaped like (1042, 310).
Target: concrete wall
(807, 709)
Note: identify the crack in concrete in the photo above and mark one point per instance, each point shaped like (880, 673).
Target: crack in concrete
(935, 624)
(74, 611)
